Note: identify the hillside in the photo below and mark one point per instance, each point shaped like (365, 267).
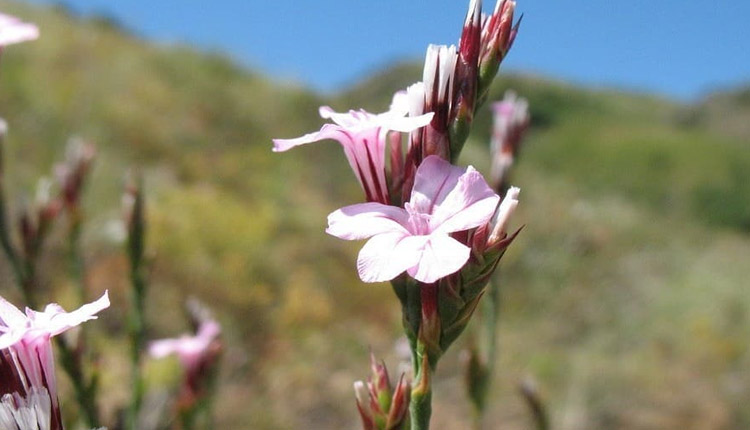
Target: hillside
(625, 296)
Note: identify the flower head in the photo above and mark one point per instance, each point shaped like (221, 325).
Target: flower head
(198, 355)
(28, 393)
(13, 30)
(511, 119)
(363, 136)
(416, 239)
(192, 350)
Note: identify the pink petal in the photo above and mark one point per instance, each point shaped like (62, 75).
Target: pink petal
(385, 256)
(434, 179)
(469, 204)
(10, 316)
(365, 220)
(365, 152)
(441, 256)
(352, 120)
(407, 124)
(328, 131)
(54, 320)
(13, 30)
(164, 347)
(13, 324)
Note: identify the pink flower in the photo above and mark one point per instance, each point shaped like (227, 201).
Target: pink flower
(198, 355)
(511, 119)
(416, 239)
(191, 350)
(363, 136)
(13, 30)
(29, 387)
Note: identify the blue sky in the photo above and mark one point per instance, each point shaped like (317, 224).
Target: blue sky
(680, 48)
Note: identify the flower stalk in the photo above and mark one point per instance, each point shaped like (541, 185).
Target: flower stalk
(133, 202)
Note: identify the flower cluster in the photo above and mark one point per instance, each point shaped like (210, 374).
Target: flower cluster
(435, 230)
(29, 389)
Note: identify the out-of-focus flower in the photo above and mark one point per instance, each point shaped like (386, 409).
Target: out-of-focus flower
(364, 137)
(380, 406)
(190, 349)
(416, 239)
(29, 387)
(511, 119)
(71, 174)
(198, 355)
(13, 30)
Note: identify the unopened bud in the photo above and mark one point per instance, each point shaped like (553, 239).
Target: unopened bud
(504, 211)
(363, 405)
(400, 405)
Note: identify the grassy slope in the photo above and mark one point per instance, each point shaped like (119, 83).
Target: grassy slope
(625, 295)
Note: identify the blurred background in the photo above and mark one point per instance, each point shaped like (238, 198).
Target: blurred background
(625, 296)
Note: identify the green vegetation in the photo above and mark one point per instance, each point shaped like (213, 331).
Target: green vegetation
(625, 295)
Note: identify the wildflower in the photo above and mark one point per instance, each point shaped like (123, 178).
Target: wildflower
(13, 30)
(363, 136)
(416, 239)
(29, 388)
(72, 173)
(511, 119)
(191, 350)
(197, 354)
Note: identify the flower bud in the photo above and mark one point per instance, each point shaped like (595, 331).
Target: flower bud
(498, 34)
(504, 211)
(381, 407)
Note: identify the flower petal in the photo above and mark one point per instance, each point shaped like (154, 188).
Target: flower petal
(54, 320)
(405, 124)
(441, 256)
(365, 220)
(164, 347)
(10, 316)
(469, 204)
(434, 179)
(385, 256)
(328, 131)
(13, 30)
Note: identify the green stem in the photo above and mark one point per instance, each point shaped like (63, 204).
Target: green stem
(137, 342)
(75, 258)
(135, 246)
(85, 391)
(71, 357)
(420, 406)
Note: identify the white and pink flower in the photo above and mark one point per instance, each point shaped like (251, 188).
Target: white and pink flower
(363, 136)
(417, 238)
(29, 387)
(511, 119)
